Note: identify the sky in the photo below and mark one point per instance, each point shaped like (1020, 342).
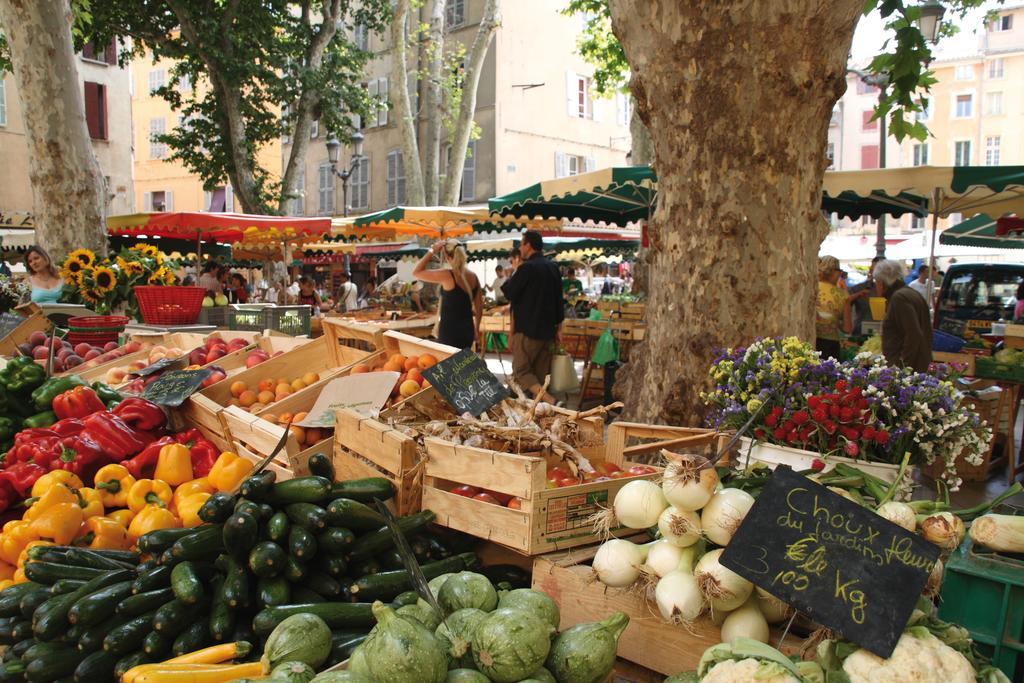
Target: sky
(871, 35)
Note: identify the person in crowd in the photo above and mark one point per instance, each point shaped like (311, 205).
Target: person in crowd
(462, 298)
(42, 275)
(1018, 310)
(369, 290)
(835, 308)
(538, 308)
(861, 305)
(842, 282)
(308, 295)
(239, 289)
(188, 281)
(276, 293)
(515, 259)
(208, 280)
(348, 293)
(571, 285)
(223, 273)
(906, 329)
(495, 286)
(920, 284)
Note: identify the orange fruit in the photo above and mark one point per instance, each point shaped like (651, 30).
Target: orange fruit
(271, 418)
(266, 385)
(286, 382)
(392, 366)
(313, 435)
(282, 387)
(283, 418)
(408, 388)
(237, 388)
(310, 378)
(247, 398)
(411, 362)
(414, 374)
(397, 358)
(427, 360)
(298, 385)
(425, 383)
(282, 393)
(360, 369)
(265, 397)
(300, 416)
(299, 433)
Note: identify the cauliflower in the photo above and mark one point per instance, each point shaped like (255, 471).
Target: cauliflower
(916, 659)
(748, 670)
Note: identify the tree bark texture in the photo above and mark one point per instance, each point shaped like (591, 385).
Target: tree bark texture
(737, 97)
(433, 96)
(467, 107)
(641, 154)
(407, 119)
(68, 189)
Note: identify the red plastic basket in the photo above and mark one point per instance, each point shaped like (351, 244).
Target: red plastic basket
(170, 305)
(95, 329)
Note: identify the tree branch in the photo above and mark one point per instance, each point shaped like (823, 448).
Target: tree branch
(406, 117)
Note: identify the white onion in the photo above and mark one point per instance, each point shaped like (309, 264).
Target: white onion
(745, 622)
(688, 483)
(944, 529)
(617, 562)
(723, 514)
(664, 557)
(679, 527)
(678, 597)
(900, 514)
(723, 588)
(638, 504)
(773, 609)
(934, 583)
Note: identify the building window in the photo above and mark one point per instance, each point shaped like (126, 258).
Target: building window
(1003, 23)
(3, 101)
(623, 109)
(865, 89)
(579, 103)
(377, 89)
(361, 37)
(395, 178)
(185, 83)
(995, 68)
(455, 13)
(964, 72)
(926, 110)
(297, 204)
(157, 149)
(866, 122)
(360, 183)
(830, 155)
(96, 110)
(469, 173)
(869, 156)
(326, 207)
(962, 153)
(105, 55)
(964, 106)
(157, 78)
(572, 164)
(158, 201)
(992, 150)
(216, 201)
(994, 103)
(917, 223)
(921, 154)
(314, 128)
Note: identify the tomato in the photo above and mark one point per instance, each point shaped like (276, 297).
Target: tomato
(618, 474)
(486, 498)
(515, 504)
(466, 491)
(636, 470)
(607, 468)
(589, 477)
(551, 483)
(502, 498)
(558, 473)
(567, 482)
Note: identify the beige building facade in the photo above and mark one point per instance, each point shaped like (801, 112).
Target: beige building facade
(536, 111)
(106, 92)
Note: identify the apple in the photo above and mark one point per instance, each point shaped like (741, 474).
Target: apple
(72, 361)
(215, 353)
(115, 376)
(137, 365)
(155, 356)
(82, 348)
(486, 498)
(466, 491)
(197, 356)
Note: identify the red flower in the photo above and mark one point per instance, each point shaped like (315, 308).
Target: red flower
(882, 436)
(792, 436)
(868, 433)
(819, 415)
(776, 411)
(779, 434)
(806, 432)
(814, 402)
(851, 449)
(841, 385)
(850, 433)
(817, 465)
(833, 411)
(846, 414)
(759, 434)
(789, 425)
(829, 426)
(800, 417)
(862, 403)
(771, 420)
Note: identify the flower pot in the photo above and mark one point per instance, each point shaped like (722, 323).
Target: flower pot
(798, 459)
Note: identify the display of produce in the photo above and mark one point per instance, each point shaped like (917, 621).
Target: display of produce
(410, 368)
(268, 391)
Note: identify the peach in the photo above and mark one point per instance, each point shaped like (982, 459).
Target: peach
(360, 369)
(247, 398)
(392, 366)
(267, 385)
(285, 418)
(310, 378)
(282, 393)
(115, 375)
(271, 418)
(283, 387)
(408, 388)
(414, 374)
(298, 432)
(237, 388)
(298, 385)
(265, 397)
(301, 415)
(256, 407)
(397, 358)
(427, 360)
(411, 362)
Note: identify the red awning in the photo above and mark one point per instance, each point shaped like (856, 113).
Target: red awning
(221, 227)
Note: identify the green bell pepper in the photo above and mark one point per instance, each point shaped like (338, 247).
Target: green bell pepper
(41, 420)
(22, 375)
(107, 395)
(8, 428)
(52, 388)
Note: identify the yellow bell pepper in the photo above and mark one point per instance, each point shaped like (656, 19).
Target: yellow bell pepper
(229, 471)
(106, 533)
(58, 494)
(113, 482)
(200, 485)
(7, 571)
(49, 479)
(17, 534)
(151, 518)
(6, 583)
(19, 576)
(59, 522)
(122, 517)
(23, 557)
(174, 464)
(148, 492)
(188, 509)
(91, 502)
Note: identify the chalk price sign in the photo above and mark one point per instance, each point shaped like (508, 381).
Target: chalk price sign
(172, 388)
(466, 383)
(841, 564)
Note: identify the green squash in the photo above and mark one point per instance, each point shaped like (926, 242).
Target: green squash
(467, 589)
(299, 638)
(341, 677)
(509, 645)
(293, 672)
(403, 650)
(435, 583)
(585, 653)
(421, 612)
(466, 676)
(357, 663)
(456, 633)
(532, 601)
(541, 675)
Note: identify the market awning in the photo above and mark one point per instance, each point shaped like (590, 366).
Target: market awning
(425, 221)
(616, 195)
(219, 227)
(984, 231)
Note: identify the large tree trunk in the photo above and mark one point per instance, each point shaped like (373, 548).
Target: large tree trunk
(68, 189)
(737, 96)
(641, 154)
(433, 96)
(467, 105)
(414, 181)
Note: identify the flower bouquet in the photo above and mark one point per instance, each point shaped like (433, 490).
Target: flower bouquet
(107, 284)
(12, 292)
(861, 409)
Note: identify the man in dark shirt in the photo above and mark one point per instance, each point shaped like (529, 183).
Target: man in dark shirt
(538, 308)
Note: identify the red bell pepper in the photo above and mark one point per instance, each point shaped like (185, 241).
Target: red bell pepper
(114, 436)
(141, 414)
(38, 451)
(202, 450)
(143, 465)
(30, 435)
(78, 454)
(69, 427)
(21, 477)
(77, 402)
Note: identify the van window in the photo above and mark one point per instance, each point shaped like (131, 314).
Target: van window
(988, 294)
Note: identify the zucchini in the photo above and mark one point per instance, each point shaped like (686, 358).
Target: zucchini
(381, 540)
(156, 646)
(236, 585)
(48, 572)
(7, 628)
(186, 584)
(172, 618)
(354, 515)
(217, 508)
(419, 547)
(240, 534)
(406, 598)
(335, 540)
(30, 601)
(311, 489)
(497, 573)
(248, 507)
(167, 559)
(266, 511)
(91, 639)
(158, 577)
(10, 597)
(222, 616)
(83, 557)
(99, 666)
(323, 584)
(273, 591)
(256, 487)
(21, 630)
(50, 619)
(140, 603)
(387, 585)
(12, 671)
(50, 669)
(191, 639)
(129, 636)
(66, 586)
(38, 553)
(294, 570)
(19, 648)
(363, 490)
(369, 567)
(337, 615)
(267, 559)
(277, 528)
(331, 565)
(43, 650)
(95, 607)
(301, 543)
(155, 542)
(205, 543)
(341, 648)
(130, 662)
(312, 517)
(391, 560)
(301, 594)
(320, 465)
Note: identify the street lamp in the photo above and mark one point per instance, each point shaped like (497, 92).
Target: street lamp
(333, 150)
(930, 20)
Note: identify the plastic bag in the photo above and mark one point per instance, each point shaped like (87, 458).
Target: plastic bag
(564, 379)
(606, 349)
(594, 314)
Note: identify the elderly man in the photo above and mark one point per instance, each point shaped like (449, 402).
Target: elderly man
(906, 329)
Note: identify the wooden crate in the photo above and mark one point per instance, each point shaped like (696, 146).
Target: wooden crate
(257, 438)
(964, 359)
(550, 519)
(365, 447)
(36, 322)
(348, 331)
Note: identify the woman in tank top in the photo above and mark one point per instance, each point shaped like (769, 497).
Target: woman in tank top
(462, 301)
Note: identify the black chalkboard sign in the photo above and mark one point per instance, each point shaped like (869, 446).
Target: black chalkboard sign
(465, 382)
(835, 561)
(172, 388)
(162, 364)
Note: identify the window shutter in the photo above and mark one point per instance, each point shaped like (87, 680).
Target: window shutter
(572, 105)
(357, 122)
(382, 112)
(561, 165)
(207, 200)
(391, 179)
(110, 54)
(92, 110)
(147, 201)
(372, 91)
(168, 201)
(229, 199)
(589, 164)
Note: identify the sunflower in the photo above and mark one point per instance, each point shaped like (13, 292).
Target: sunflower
(158, 276)
(170, 278)
(147, 250)
(83, 256)
(90, 296)
(104, 279)
(73, 265)
(72, 278)
(130, 268)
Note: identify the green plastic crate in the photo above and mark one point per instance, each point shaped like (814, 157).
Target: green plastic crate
(292, 320)
(248, 319)
(983, 591)
(989, 368)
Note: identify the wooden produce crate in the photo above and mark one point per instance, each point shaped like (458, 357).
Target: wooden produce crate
(365, 447)
(36, 322)
(255, 439)
(966, 360)
(349, 331)
(550, 519)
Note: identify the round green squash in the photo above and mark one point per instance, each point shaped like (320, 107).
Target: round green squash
(467, 589)
(293, 672)
(532, 601)
(585, 653)
(509, 645)
(403, 650)
(302, 638)
(466, 676)
(456, 633)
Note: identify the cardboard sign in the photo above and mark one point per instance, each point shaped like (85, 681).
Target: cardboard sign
(835, 561)
(172, 388)
(465, 382)
(365, 393)
(161, 364)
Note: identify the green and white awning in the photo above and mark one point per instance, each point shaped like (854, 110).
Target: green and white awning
(983, 231)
